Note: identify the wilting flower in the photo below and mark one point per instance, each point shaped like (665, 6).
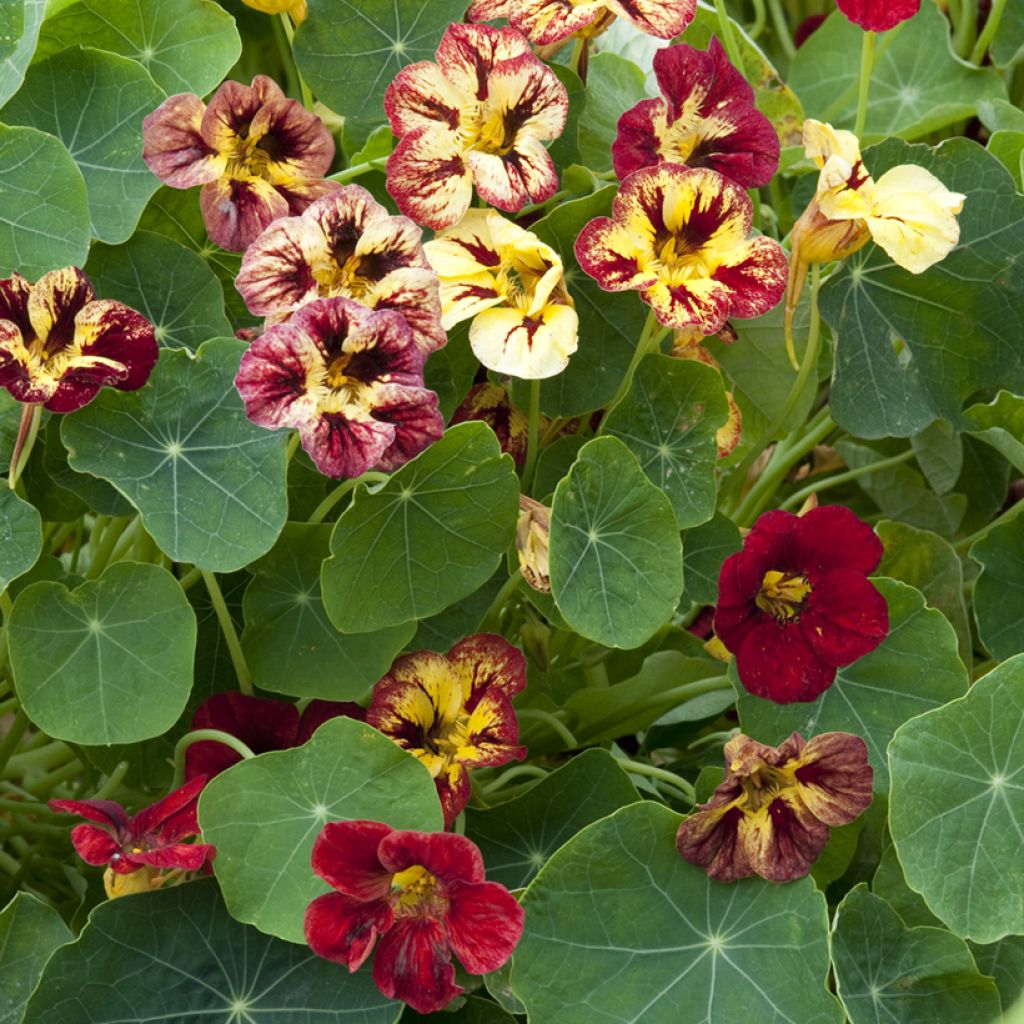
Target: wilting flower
(59, 344)
(257, 154)
(878, 15)
(345, 245)
(551, 21)
(512, 285)
(424, 895)
(480, 115)
(490, 404)
(454, 712)
(261, 724)
(143, 845)
(705, 118)
(772, 814)
(533, 534)
(795, 603)
(350, 379)
(295, 8)
(679, 235)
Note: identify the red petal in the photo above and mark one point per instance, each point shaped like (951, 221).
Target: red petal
(236, 212)
(183, 856)
(709, 838)
(489, 660)
(413, 963)
(94, 845)
(447, 856)
(343, 447)
(173, 147)
(484, 925)
(832, 537)
(104, 811)
(844, 617)
(783, 840)
(346, 856)
(173, 817)
(636, 143)
(417, 421)
(344, 929)
(14, 296)
(835, 778)
(774, 661)
(878, 15)
(319, 711)
(453, 790)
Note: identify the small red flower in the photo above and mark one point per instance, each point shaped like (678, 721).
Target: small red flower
(424, 895)
(152, 839)
(795, 604)
(878, 15)
(261, 724)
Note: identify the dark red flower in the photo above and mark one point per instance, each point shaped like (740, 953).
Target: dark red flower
(424, 894)
(795, 604)
(491, 404)
(261, 724)
(878, 15)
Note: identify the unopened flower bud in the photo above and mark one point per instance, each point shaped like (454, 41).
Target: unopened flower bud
(532, 532)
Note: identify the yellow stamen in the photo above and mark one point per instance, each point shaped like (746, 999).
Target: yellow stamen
(782, 595)
(414, 892)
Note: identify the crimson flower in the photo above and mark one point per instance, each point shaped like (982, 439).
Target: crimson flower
(261, 724)
(424, 895)
(878, 15)
(795, 604)
(149, 841)
(705, 117)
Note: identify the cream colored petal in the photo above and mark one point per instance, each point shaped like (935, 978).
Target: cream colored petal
(822, 141)
(507, 341)
(465, 248)
(465, 297)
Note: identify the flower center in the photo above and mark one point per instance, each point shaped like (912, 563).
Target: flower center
(414, 893)
(782, 595)
(678, 259)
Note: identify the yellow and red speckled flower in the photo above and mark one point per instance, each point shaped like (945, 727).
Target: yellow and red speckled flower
(59, 344)
(257, 154)
(480, 115)
(551, 21)
(350, 379)
(705, 117)
(491, 404)
(454, 712)
(772, 814)
(345, 245)
(512, 285)
(679, 235)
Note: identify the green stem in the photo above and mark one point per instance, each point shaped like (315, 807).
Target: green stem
(227, 627)
(728, 36)
(650, 339)
(358, 170)
(782, 28)
(796, 500)
(995, 15)
(680, 785)
(45, 784)
(517, 772)
(197, 736)
(99, 559)
(289, 34)
(548, 719)
(577, 60)
(967, 26)
(113, 781)
(491, 620)
(190, 579)
(867, 65)
(760, 19)
(1008, 516)
(293, 446)
(14, 734)
(531, 437)
(126, 540)
(28, 428)
(62, 534)
(339, 492)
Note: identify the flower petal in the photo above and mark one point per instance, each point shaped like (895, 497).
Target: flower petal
(468, 54)
(526, 174)
(173, 817)
(484, 923)
(179, 856)
(832, 537)
(14, 296)
(755, 275)
(447, 856)
(878, 15)
(174, 149)
(104, 811)
(235, 212)
(276, 275)
(662, 18)
(343, 929)
(428, 178)
(417, 421)
(346, 443)
(844, 617)
(530, 347)
(834, 778)
(94, 845)
(782, 839)
(485, 660)
(54, 302)
(774, 661)
(490, 404)
(232, 109)
(319, 711)
(346, 856)
(414, 293)
(297, 145)
(710, 839)
(551, 21)
(420, 96)
(413, 964)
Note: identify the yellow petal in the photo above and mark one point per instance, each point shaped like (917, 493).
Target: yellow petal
(507, 341)
(822, 141)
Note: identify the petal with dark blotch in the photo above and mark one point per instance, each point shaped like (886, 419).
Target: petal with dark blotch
(710, 839)
(419, 97)
(662, 18)
(419, 690)
(413, 293)
(484, 925)
(301, 195)
(833, 777)
(225, 122)
(486, 659)
(413, 413)
(490, 10)
(345, 855)
(832, 537)
(112, 331)
(453, 790)
(530, 347)
(383, 350)
(345, 443)
(755, 276)
(343, 929)
(524, 175)
(774, 661)
(466, 248)
(636, 142)
(551, 21)
(782, 839)
(468, 54)
(491, 734)
(236, 212)
(276, 275)
(15, 367)
(388, 244)
(94, 845)
(844, 617)
(14, 296)
(413, 964)
(55, 301)
(611, 254)
(428, 178)
(490, 404)
(697, 303)
(447, 856)
(344, 215)
(295, 144)
(179, 856)
(528, 99)
(173, 147)
(104, 811)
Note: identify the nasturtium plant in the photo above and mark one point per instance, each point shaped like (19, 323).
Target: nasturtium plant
(513, 511)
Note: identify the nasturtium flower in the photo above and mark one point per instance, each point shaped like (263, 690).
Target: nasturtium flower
(257, 154)
(141, 846)
(512, 286)
(705, 117)
(480, 115)
(795, 603)
(295, 8)
(490, 404)
(772, 814)
(260, 723)
(424, 895)
(59, 344)
(350, 379)
(551, 21)
(878, 15)
(679, 235)
(454, 712)
(345, 245)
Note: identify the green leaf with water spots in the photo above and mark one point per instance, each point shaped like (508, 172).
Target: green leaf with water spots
(30, 931)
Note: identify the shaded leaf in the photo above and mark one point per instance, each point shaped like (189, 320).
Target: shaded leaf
(999, 590)
(30, 931)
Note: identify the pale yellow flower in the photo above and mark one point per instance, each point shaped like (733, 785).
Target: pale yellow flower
(296, 8)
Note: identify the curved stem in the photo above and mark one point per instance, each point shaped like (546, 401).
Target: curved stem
(760, 19)
(100, 557)
(14, 734)
(680, 785)
(198, 735)
(113, 781)
(796, 500)
(289, 34)
(728, 36)
(867, 65)
(339, 492)
(28, 428)
(358, 170)
(557, 727)
(988, 33)
(227, 627)
(517, 772)
(782, 28)
(532, 446)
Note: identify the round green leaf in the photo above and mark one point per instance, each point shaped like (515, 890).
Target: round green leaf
(176, 955)
(999, 590)
(94, 102)
(430, 536)
(107, 662)
(263, 815)
(19, 31)
(21, 536)
(44, 207)
(616, 559)
(29, 933)
(669, 420)
(957, 806)
(186, 45)
(619, 928)
(154, 274)
(887, 972)
(916, 668)
(289, 643)
(210, 485)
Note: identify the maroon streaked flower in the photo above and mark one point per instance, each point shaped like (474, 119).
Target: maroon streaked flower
(345, 245)
(551, 21)
(260, 723)
(491, 404)
(679, 235)
(705, 117)
(151, 841)
(772, 814)
(878, 15)
(59, 344)
(350, 379)
(424, 895)
(257, 154)
(480, 115)
(454, 712)
(796, 604)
